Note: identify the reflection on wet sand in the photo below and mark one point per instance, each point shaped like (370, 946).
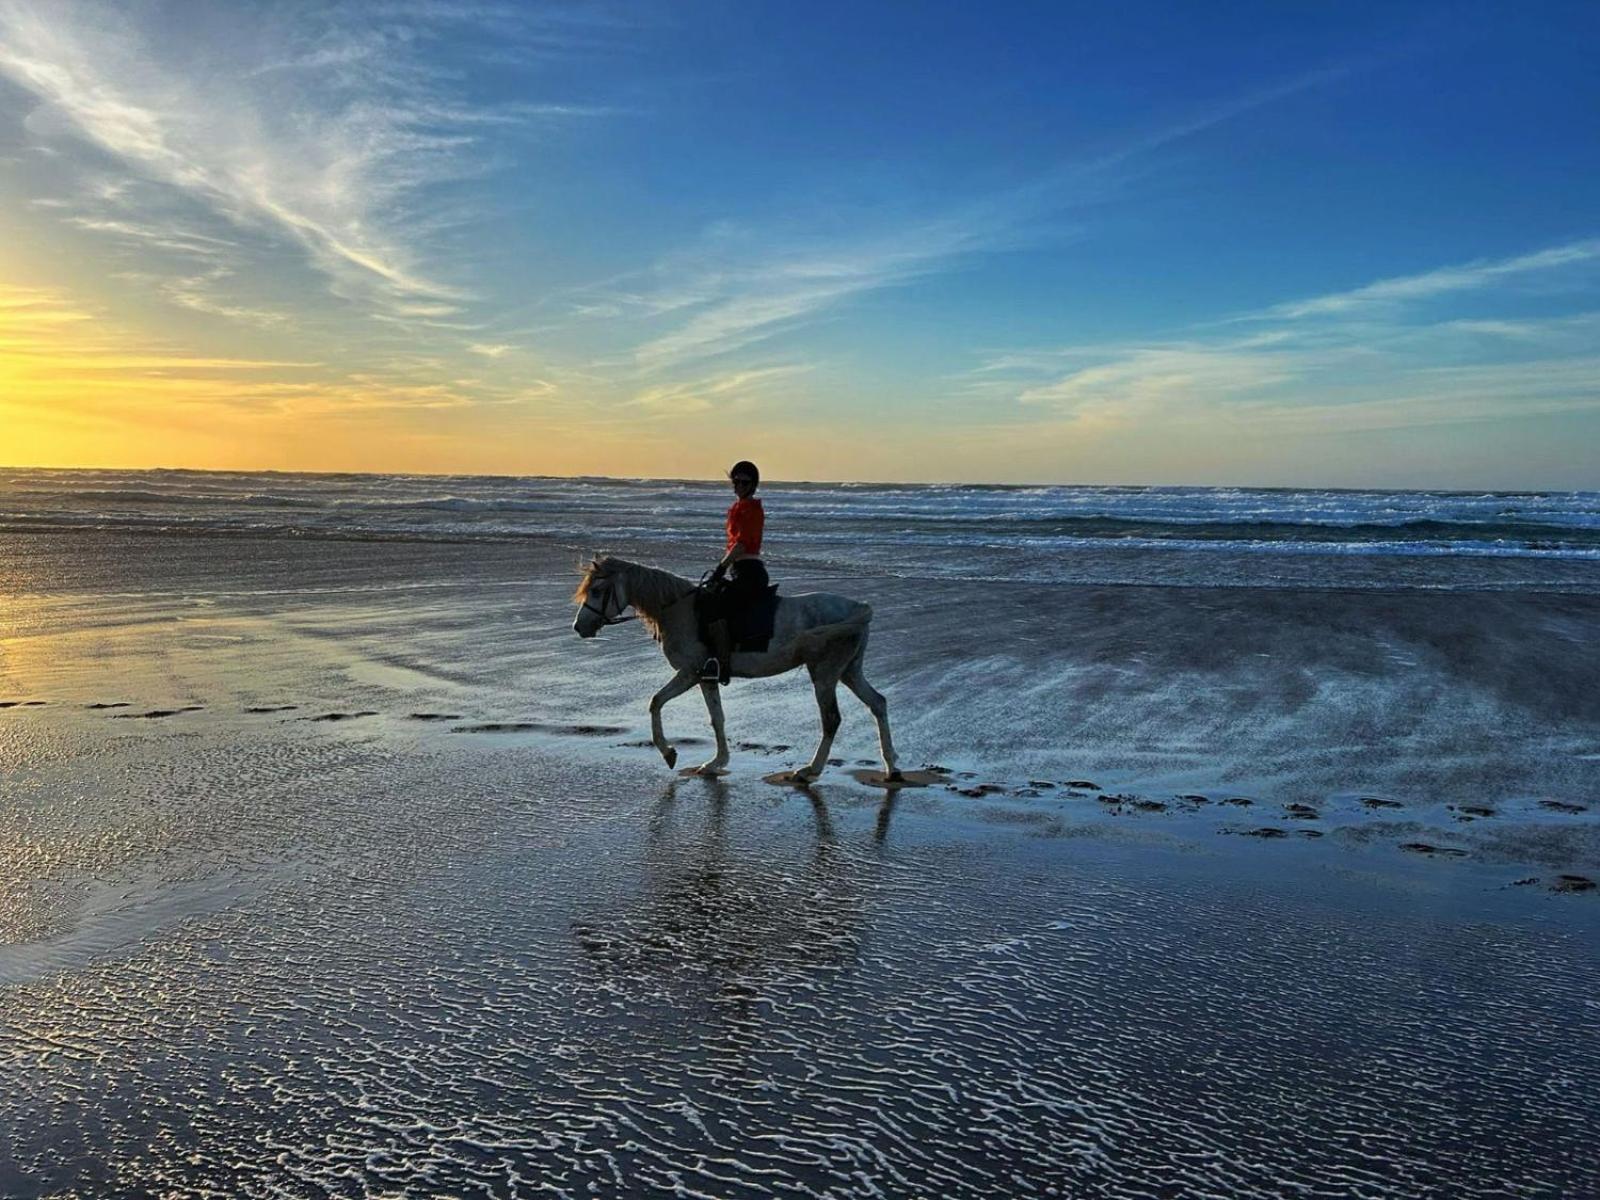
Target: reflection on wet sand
(713, 916)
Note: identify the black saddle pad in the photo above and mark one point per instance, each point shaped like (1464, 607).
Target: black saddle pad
(752, 624)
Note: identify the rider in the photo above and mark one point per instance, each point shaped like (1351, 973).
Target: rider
(747, 575)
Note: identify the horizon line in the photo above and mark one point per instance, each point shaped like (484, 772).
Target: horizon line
(773, 481)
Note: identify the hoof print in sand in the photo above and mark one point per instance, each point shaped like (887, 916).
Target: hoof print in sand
(1380, 802)
(1239, 801)
(156, 714)
(1193, 798)
(1466, 812)
(109, 704)
(1429, 848)
(1266, 831)
(271, 708)
(340, 716)
(904, 779)
(979, 791)
(1561, 806)
(23, 703)
(432, 716)
(1572, 883)
(1302, 812)
(1081, 785)
(788, 779)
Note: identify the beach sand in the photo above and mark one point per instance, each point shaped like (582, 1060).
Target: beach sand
(343, 868)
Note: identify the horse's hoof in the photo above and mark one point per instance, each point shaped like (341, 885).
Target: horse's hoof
(894, 777)
(671, 755)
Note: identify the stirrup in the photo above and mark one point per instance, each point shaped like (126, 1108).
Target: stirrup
(711, 672)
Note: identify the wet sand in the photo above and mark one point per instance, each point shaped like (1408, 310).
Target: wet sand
(340, 868)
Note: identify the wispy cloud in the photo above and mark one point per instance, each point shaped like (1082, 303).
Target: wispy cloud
(321, 127)
(732, 390)
(744, 284)
(1468, 277)
(1387, 355)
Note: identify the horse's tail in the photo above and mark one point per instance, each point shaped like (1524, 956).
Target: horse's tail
(817, 642)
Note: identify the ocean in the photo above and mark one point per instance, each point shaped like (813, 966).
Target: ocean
(1189, 535)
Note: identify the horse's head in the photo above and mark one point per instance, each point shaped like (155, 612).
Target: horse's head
(601, 598)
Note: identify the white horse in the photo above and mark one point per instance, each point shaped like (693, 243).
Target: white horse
(826, 634)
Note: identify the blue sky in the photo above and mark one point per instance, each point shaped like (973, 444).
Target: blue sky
(1271, 244)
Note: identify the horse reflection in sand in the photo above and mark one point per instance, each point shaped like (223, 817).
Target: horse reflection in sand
(716, 912)
(824, 633)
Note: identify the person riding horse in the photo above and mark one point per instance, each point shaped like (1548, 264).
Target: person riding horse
(746, 575)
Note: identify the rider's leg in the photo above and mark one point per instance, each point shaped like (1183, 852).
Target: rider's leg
(719, 640)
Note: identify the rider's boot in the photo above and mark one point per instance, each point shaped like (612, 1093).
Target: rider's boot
(719, 639)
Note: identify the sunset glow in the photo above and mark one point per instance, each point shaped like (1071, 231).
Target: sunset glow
(511, 239)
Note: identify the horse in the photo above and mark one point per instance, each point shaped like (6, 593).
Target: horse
(824, 633)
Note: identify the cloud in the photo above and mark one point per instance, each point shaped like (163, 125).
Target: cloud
(735, 390)
(1374, 357)
(319, 127)
(743, 285)
(1473, 276)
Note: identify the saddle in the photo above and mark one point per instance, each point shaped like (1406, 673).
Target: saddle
(750, 625)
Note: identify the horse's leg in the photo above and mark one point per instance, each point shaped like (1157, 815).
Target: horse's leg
(825, 683)
(855, 679)
(713, 695)
(674, 687)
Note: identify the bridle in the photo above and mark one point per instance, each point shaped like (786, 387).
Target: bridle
(605, 617)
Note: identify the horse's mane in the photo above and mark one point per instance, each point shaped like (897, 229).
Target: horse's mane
(650, 590)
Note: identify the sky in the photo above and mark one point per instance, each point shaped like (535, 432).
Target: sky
(1262, 244)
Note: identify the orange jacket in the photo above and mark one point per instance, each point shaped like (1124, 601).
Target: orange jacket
(745, 522)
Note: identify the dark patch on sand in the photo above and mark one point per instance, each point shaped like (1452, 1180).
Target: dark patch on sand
(789, 779)
(1082, 785)
(271, 708)
(979, 791)
(906, 779)
(1380, 802)
(1572, 883)
(1040, 783)
(1561, 806)
(1429, 848)
(1308, 833)
(1194, 798)
(1239, 801)
(156, 714)
(1142, 805)
(543, 727)
(1266, 831)
(1302, 812)
(761, 747)
(341, 716)
(1466, 812)
(22, 703)
(433, 716)
(1525, 881)
(109, 704)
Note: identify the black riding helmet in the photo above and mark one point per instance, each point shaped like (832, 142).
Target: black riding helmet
(745, 467)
